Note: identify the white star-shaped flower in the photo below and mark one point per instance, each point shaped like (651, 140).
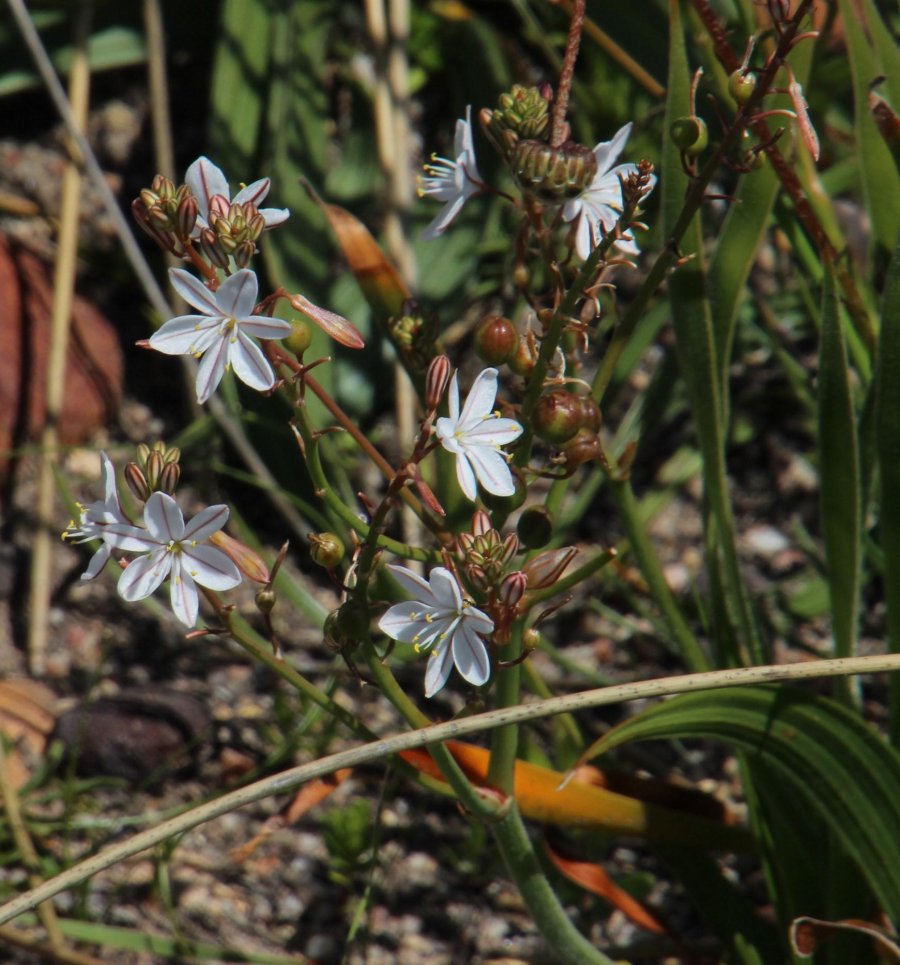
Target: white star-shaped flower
(94, 520)
(598, 207)
(476, 435)
(175, 550)
(452, 182)
(439, 618)
(223, 336)
(206, 181)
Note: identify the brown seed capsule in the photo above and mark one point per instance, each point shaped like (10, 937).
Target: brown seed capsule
(496, 339)
(557, 416)
(584, 447)
(523, 360)
(591, 417)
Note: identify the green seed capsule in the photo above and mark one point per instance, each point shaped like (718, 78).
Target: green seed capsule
(741, 85)
(326, 549)
(690, 135)
(300, 338)
(557, 416)
(534, 528)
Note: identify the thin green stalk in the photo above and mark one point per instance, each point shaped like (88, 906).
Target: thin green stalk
(647, 559)
(507, 693)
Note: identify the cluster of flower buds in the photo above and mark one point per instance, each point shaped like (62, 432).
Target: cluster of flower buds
(156, 470)
(413, 333)
(523, 113)
(486, 553)
(233, 231)
(168, 214)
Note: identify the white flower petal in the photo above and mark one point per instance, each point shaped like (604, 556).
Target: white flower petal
(438, 670)
(446, 590)
(444, 218)
(606, 152)
(254, 193)
(205, 179)
(208, 521)
(250, 363)
(163, 518)
(261, 326)
(212, 368)
(143, 575)
(465, 476)
(480, 401)
(186, 335)
(183, 594)
(194, 292)
(98, 561)
(236, 296)
(493, 432)
(471, 656)
(492, 471)
(414, 585)
(210, 567)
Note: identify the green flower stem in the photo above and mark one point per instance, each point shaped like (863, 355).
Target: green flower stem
(566, 943)
(324, 490)
(246, 637)
(538, 686)
(690, 648)
(466, 793)
(386, 468)
(507, 693)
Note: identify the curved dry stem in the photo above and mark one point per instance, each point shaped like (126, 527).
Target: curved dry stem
(454, 729)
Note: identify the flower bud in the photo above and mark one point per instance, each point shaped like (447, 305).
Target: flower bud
(137, 482)
(583, 447)
(153, 469)
(546, 568)
(558, 415)
(326, 549)
(534, 528)
(244, 253)
(188, 209)
(168, 478)
(481, 523)
(512, 589)
(247, 560)
(496, 339)
(209, 246)
(523, 360)
(553, 173)
(437, 378)
(265, 600)
(741, 85)
(300, 338)
(690, 135)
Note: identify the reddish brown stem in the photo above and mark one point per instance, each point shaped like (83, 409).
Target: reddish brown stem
(561, 100)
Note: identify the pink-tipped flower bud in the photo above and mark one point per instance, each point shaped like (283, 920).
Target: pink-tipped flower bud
(546, 568)
(209, 245)
(219, 206)
(244, 253)
(496, 339)
(188, 209)
(557, 416)
(512, 589)
(437, 378)
(137, 482)
(169, 477)
(248, 561)
(481, 523)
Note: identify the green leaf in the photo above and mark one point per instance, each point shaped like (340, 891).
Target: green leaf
(840, 770)
(887, 434)
(880, 178)
(839, 470)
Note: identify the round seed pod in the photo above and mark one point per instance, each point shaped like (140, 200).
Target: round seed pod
(523, 360)
(591, 417)
(300, 338)
(534, 528)
(741, 85)
(690, 134)
(326, 549)
(558, 415)
(584, 447)
(496, 339)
